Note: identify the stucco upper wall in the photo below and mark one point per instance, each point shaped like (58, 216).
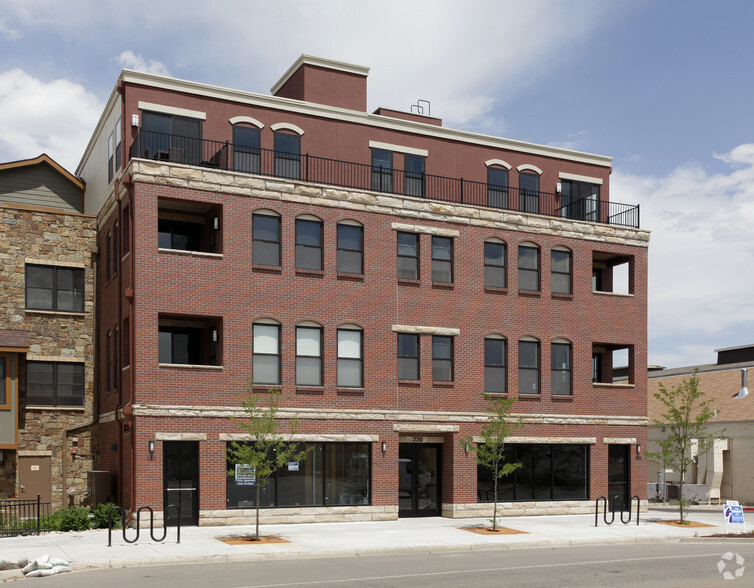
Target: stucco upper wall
(39, 185)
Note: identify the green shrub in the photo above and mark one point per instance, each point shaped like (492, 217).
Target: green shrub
(100, 516)
(74, 518)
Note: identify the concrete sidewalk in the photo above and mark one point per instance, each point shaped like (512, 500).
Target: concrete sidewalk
(201, 544)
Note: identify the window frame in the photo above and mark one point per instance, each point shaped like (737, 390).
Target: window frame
(56, 384)
(495, 268)
(79, 285)
(318, 357)
(343, 253)
(527, 271)
(196, 338)
(497, 193)
(496, 367)
(566, 275)
(406, 358)
(266, 243)
(247, 158)
(263, 354)
(439, 362)
(382, 175)
(438, 262)
(342, 359)
(287, 163)
(415, 257)
(535, 369)
(557, 373)
(302, 246)
(528, 198)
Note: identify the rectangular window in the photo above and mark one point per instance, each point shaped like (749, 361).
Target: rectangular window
(118, 145)
(528, 367)
(350, 364)
(580, 200)
(350, 249)
(495, 380)
(246, 151)
(287, 156)
(331, 474)
(108, 256)
(528, 192)
(528, 268)
(497, 187)
(180, 345)
(561, 272)
(561, 369)
(266, 357)
(110, 160)
(382, 170)
(308, 356)
(54, 384)
(173, 138)
(265, 245)
(308, 244)
(408, 356)
(414, 175)
(54, 288)
(442, 358)
(408, 256)
(116, 256)
(5, 381)
(495, 275)
(442, 259)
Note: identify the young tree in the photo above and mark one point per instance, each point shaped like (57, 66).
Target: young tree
(686, 414)
(490, 453)
(268, 449)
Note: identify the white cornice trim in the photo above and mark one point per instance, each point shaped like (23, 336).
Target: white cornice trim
(304, 59)
(283, 126)
(172, 110)
(246, 119)
(579, 178)
(500, 162)
(529, 167)
(398, 148)
(357, 117)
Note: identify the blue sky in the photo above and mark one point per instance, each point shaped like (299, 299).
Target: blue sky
(664, 87)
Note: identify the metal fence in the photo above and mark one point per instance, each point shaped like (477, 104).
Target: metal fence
(359, 176)
(23, 517)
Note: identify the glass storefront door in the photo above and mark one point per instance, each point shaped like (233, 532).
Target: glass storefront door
(181, 481)
(418, 480)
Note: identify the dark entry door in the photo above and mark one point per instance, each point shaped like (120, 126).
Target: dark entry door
(618, 461)
(418, 480)
(181, 481)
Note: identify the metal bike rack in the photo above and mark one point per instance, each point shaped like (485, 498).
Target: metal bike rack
(617, 499)
(123, 514)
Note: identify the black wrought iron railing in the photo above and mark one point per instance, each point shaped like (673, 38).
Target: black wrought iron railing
(359, 176)
(23, 517)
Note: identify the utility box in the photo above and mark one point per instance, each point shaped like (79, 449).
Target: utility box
(99, 486)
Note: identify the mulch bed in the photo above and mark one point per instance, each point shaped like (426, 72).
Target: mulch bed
(734, 535)
(489, 531)
(251, 540)
(685, 524)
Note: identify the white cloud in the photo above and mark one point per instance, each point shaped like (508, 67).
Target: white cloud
(700, 255)
(7, 32)
(129, 60)
(55, 117)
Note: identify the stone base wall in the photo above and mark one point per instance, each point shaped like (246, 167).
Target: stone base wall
(521, 509)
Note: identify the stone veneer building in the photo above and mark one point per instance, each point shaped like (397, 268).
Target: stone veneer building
(384, 272)
(47, 333)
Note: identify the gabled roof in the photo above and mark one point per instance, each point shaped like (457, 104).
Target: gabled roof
(44, 158)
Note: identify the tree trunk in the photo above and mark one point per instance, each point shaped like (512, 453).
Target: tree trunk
(680, 498)
(494, 509)
(256, 535)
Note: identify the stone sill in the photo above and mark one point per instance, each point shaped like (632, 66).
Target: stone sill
(495, 290)
(272, 269)
(190, 366)
(611, 385)
(55, 312)
(530, 293)
(562, 397)
(616, 294)
(56, 408)
(443, 285)
(350, 391)
(311, 273)
(190, 253)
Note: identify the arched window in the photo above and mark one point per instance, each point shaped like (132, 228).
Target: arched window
(561, 368)
(495, 274)
(308, 354)
(495, 359)
(497, 183)
(561, 270)
(528, 366)
(350, 357)
(265, 239)
(246, 149)
(308, 243)
(528, 267)
(528, 188)
(266, 354)
(350, 248)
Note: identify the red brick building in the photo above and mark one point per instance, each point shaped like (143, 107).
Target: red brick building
(383, 271)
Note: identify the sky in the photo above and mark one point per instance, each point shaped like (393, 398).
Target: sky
(665, 87)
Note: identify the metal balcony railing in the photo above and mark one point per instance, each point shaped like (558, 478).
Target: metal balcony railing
(359, 176)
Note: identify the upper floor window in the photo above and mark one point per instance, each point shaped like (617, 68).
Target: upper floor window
(54, 383)
(495, 353)
(528, 267)
(118, 145)
(528, 366)
(246, 149)
(561, 268)
(442, 358)
(528, 191)
(110, 155)
(442, 259)
(561, 368)
(287, 155)
(308, 355)
(408, 256)
(497, 187)
(5, 383)
(171, 137)
(265, 245)
(108, 256)
(180, 345)
(189, 226)
(414, 175)
(495, 275)
(408, 356)
(266, 356)
(54, 288)
(116, 252)
(382, 170)
(580, 200)
(308, 244)
(184, 236)
(350, 357)
(350, 248)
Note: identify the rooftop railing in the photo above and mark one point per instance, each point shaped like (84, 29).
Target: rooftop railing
(359, 176)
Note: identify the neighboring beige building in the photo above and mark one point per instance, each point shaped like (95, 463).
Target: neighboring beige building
(47, 313)
(726, 468)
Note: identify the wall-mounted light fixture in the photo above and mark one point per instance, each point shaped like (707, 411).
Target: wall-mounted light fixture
(384, 446)
(638, 450)
(466, 447)
(214, 335)
(134, 120)
(744, 391)
(151, 449)
(216, 223)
